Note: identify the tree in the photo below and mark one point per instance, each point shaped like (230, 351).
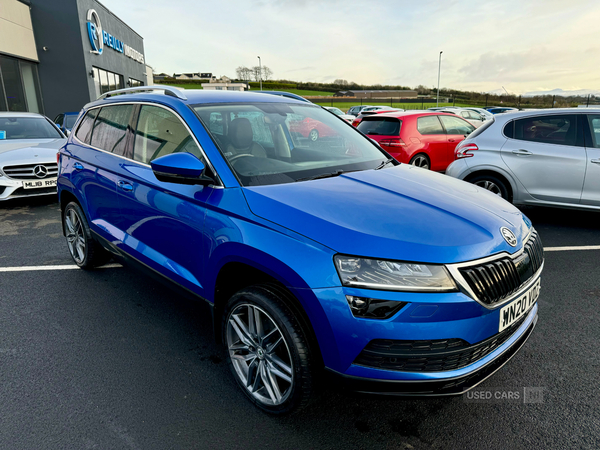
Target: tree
(244, 73)
(266, 73)
(341, 82)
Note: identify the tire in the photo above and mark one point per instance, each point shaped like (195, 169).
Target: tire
(272, 363)
(313, 135)
(84, 250)
(492, 184)
(421, 160)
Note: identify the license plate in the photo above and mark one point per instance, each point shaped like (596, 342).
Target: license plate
(48, 182)
(518, 308)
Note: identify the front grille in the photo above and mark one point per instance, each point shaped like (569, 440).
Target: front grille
(26, 171)
(430, 356)
(494, 281)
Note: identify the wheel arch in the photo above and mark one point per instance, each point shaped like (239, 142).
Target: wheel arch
(235, 275)
(495, 173)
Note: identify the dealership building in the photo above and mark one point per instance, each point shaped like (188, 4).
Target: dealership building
(56, 56)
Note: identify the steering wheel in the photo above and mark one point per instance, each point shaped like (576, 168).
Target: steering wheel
(233, 158)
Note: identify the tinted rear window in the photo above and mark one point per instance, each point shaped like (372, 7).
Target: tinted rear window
(429, 125)
(551, 129)
(83, 132)
(384, 126)
(110, 128)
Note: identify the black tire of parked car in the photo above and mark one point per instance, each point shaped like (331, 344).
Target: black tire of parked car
(492, 184)
(421, 160)
(85, 251)
(293, 348)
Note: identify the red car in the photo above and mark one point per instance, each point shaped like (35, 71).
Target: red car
(424, 139)
(311, 129)
(362, 115)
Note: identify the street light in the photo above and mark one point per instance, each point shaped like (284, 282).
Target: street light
(260, 72)
(438, 89)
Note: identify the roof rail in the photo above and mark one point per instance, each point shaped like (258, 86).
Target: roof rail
(169, 90)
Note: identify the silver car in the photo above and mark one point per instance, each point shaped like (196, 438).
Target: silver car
(542, 157)
(28, 146)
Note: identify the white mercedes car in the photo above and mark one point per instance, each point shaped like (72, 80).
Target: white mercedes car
(28, 146)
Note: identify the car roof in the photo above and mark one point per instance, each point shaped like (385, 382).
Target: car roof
(414, 112)
(19, 114)
(510, 115)
(196, 96)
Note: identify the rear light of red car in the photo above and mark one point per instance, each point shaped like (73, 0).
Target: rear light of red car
(462, 151)
(397, 142)
(355, 122)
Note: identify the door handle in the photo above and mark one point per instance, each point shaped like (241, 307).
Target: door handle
(78, 166)
(595, 161)
(522, 152)
(451, 140)
(127, 187)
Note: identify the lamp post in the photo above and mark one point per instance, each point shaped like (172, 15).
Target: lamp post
(438, 89)
(260, 72)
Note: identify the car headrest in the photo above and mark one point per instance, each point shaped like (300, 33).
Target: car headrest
(240, 133)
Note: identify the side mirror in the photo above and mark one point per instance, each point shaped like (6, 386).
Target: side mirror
(180, 168)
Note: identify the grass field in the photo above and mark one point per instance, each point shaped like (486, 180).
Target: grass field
(344, 106)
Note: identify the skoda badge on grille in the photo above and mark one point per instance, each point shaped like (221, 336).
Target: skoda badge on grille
(509, 236)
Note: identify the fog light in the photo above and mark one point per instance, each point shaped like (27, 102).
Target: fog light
(370, 308)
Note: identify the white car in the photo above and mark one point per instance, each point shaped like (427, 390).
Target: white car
(28, 146)
(474, 118)
(339, 112)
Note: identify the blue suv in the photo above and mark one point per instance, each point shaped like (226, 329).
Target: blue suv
(316, 257)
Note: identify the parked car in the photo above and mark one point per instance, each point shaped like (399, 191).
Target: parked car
(28, 146)
(542, 157)
(484, 113)
(370, 112)
(314, 258)
(338, 112)
(309, 128)
(65, 121)
(425, 139)
(355, 110)
(500, 110)
(474, 118)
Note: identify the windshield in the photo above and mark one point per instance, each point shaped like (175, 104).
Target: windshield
(27, 128)
(70, 121)
(274, 143)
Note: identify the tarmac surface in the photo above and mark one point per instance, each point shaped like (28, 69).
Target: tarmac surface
(112, 359)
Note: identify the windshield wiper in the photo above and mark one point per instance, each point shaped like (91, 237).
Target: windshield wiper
(322, 175)
(384, 163)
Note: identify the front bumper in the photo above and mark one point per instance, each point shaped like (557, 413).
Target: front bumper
(441, 383)
(10, 189)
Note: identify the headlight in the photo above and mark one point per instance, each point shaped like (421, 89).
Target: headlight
(393, 275)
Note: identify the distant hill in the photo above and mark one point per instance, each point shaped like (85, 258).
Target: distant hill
(563, 93)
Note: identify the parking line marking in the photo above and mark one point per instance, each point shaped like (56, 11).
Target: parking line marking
(566, 249)
(65, 267)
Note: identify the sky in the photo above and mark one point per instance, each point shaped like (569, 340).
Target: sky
(522, 46)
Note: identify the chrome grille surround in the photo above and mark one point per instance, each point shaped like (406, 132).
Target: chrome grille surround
(498, 279)
(26, 171)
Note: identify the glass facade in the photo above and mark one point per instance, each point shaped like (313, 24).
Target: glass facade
(105, 81)
(19, 86)
(135, 83)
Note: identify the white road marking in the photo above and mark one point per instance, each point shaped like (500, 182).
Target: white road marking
(114, 266)
(65, 267)
(566, 249)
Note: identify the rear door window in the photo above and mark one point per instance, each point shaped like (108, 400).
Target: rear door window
(384, 126)
(159, 132)
(429, 125)
(551, 129)
(454, 125)
(110, 128)
(594, 122)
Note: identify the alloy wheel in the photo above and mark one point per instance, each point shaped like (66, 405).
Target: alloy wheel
(420, 161)
(75, 235)
(490, 186)
(260, 354)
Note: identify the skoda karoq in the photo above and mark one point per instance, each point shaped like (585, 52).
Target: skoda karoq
(316, 257)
